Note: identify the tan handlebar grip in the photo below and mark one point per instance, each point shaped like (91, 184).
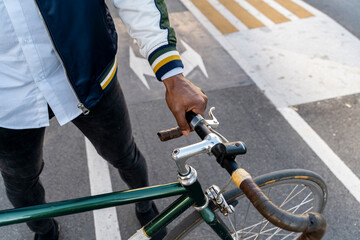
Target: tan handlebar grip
(169, 134)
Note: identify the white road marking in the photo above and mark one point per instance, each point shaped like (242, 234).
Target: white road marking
(228, 15)
(105, 220)
(301, 61)
(189, 57)
(253, 11)
(281, 10)
(332, 161)
(140, 67)
(191, 60)
(298, 62)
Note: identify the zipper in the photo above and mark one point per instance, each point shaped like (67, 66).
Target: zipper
(80, 105)
(83, 109)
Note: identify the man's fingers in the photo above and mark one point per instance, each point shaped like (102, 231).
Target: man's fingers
(200, 106)
(181, 121)
(183, 96)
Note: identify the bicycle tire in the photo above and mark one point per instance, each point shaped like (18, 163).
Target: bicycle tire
(313, 185)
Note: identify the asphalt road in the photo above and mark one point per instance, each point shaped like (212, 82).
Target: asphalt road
(247, 109)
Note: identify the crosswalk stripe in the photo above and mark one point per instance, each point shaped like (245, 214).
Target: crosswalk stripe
(294, 8)
(230, 16)
(268, 11)
(218, 20)
(256, 13)
(281, 9)
(244, 16)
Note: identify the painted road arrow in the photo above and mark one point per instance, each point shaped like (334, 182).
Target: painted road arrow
(190, 58)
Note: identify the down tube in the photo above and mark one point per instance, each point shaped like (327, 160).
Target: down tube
(168, 215)
(84, 204)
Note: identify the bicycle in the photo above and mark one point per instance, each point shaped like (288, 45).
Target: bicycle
(296, 220)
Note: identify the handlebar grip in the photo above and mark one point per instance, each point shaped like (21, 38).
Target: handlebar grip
(175, 132)
(169, 134)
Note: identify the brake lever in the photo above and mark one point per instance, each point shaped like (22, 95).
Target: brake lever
(212, 122)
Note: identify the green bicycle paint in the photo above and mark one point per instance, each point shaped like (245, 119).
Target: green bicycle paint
(79, 205)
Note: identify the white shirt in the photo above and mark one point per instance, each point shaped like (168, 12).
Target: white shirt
(31, 75)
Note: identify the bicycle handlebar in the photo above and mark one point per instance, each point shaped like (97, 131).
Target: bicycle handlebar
(169, 134)
(312, 225)
(175, 132)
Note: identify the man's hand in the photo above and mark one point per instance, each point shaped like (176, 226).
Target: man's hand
(182, 96)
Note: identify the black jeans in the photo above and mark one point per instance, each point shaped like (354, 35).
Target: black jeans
(107, 127)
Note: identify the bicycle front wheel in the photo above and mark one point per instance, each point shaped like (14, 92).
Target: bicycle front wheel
(297, 191)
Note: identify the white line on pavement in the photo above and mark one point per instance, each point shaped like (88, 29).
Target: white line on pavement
(105, 220)
(339, 76)
(331, 160)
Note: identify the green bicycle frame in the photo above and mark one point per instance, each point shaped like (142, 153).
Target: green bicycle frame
(190, 195)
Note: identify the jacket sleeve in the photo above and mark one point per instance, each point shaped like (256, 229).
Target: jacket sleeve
(147, 21)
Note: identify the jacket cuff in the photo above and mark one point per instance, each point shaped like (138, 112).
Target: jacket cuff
(164, 59)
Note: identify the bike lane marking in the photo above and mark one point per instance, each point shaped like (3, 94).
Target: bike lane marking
(325, 153)
(306, 59)
(105, 220)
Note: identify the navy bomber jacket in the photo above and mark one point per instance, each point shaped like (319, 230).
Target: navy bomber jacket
(85, 39)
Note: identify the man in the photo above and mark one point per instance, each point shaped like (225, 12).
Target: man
(59, 57)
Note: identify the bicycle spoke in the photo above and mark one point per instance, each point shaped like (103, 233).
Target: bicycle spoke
(296, 208)
(254, 225)
(275, 233)
(302, 203)
(247, 212)
(299, 205)
(289, 195)
(267, 222)
(288, 200)
(292, 233)
(263, 233)
(232, 226)
(296, 195)
(283, 203)
(262, 228)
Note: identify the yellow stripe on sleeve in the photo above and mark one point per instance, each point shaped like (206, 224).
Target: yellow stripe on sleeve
(165, 61)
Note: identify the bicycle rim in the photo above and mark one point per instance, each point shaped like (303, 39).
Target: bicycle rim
(297, 191)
